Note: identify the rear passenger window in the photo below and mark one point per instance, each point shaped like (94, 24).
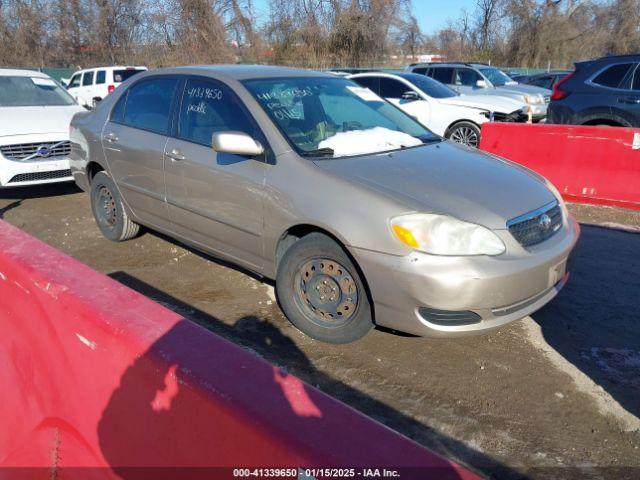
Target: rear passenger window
(209, 106)
(613, 75)
(87, 78)
(148, 105)
(100, 77)
(420, 71)
(443, 75)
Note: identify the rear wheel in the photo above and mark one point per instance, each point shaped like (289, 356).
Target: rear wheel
(466, 133)
(321, 292)
(109, 211)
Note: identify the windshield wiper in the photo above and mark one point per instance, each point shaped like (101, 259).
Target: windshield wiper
(320, 152)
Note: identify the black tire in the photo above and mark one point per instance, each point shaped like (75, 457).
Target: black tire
(95, 101)
(337, 310)
(465, 133)
(108, 210)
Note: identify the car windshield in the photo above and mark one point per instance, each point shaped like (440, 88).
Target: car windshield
(334, 117)
(497, 77)
(428, 85)
(18, 91)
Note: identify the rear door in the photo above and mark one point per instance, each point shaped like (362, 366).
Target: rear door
(134, 139)
(215, 199)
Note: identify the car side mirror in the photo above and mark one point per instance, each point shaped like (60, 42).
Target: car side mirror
(410, 96)
(481, 84)
(236, 143)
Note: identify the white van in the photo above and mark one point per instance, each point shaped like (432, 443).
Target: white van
(91, 85)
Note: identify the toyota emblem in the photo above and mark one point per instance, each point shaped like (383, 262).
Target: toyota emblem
(544, 221)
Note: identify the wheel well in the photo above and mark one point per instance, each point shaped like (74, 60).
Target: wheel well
(92, 169)
(295, 233)
(603, 121)
(457, 122)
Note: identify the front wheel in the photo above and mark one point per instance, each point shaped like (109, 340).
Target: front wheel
(466, 133)
(321, 292)
(108, 210)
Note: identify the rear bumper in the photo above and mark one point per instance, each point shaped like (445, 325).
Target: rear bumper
(494, 290)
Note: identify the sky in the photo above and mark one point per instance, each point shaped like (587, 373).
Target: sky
(432, 15)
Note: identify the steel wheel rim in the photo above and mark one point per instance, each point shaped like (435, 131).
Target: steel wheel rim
(465, 136)
(106, 208)
(327, 292)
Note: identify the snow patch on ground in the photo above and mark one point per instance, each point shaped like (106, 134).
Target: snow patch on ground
(360, 142)
(605, 402)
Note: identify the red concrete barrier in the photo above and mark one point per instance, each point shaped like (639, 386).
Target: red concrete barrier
(100, 382)
(598, 165)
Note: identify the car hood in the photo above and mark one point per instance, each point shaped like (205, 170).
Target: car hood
(526, 89)
(36, 120)
(493, 103)
(448, 179)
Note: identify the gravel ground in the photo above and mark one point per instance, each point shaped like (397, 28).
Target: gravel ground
(556, 395)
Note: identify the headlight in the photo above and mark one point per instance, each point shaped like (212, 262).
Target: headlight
(442, 235)
(534, 99)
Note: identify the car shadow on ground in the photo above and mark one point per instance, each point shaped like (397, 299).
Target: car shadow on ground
(39, 191)
(265, 339)
(595, 321)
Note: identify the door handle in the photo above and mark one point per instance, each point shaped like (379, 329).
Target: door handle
(631, 100)
(111, 137)
(175, 155)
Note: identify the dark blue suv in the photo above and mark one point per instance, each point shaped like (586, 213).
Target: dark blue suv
(605, 91)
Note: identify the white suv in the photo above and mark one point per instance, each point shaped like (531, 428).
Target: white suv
(35, 113)
(90, 86)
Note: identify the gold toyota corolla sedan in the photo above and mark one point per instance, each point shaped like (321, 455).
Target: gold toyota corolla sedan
(361, 215)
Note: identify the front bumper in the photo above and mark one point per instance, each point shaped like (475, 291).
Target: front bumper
(496, 290)
(18, 173)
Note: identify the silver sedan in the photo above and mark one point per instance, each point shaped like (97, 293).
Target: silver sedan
(361, 215)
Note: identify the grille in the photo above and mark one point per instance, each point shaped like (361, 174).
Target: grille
(34, 177)
(537, 226)
(24, 150)
(516, 117)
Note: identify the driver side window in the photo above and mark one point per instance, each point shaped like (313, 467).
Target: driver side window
(209, 106)
(75, 81)
(391, 88)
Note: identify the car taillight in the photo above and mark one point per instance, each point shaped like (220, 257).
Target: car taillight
(558, 93)
(111, 88)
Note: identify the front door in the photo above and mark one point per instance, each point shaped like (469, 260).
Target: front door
(393, 90)
(215, 199)
(134, 140)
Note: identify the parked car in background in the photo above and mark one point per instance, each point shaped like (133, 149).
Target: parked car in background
(439, 108)
(91, 85)
(544, 80)
(360, 213)
(35, 112)
(605, 91)
(483, 79)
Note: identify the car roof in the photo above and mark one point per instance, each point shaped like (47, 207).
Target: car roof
(245, 72)
(14, 72)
